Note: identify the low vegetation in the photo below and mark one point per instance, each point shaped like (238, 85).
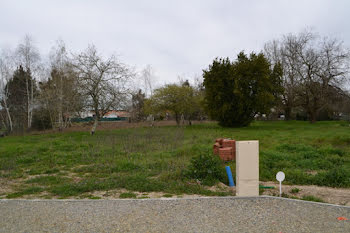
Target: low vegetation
(158, 159)
(206, 168)
(127, 195)
(312, 198)
(294, 190)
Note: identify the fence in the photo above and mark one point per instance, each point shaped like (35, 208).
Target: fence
(88, 119)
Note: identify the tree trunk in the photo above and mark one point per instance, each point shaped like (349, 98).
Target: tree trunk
(28, 103)
(312, 116)
(287, 112)
(31, 104)
(313, 119)
(8, 115)
(94, 126)
(60, 108)
(9, 119)
(182, 119)
(177, 118)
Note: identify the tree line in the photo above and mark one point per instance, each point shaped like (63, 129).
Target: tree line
(300, 76)
(41, 96)
(315, 72)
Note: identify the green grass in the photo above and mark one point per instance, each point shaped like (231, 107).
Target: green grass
(127, 195)
(48, 180)
(26, 191)
(157, 159)
(312, 198)
(295, 190)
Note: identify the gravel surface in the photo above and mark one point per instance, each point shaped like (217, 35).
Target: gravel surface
(227, 214)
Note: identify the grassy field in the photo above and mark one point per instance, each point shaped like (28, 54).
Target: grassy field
(156, 159)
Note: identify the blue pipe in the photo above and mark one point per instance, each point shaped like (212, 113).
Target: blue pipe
(229, 174)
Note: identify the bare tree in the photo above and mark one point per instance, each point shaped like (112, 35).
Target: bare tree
(59, 97)
(6, 71)
(59, 60)
(283, 53)
(149, 80)
(29, 57)
(103, 82)
(322, 64)
(60, 91)
(311, 66)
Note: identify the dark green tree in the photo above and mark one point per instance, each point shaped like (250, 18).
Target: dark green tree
(138, 102)
(17, 99)
(236, 91)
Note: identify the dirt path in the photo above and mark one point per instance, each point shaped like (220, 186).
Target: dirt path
(339, 196)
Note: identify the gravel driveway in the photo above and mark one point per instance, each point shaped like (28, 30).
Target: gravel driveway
(225, 214)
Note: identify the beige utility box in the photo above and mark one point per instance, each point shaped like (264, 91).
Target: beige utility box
(247, 168)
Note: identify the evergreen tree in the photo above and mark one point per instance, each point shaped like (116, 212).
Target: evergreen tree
(18, 99)
(138, 101)
(236, 91)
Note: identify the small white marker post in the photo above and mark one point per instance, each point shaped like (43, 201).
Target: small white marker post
(280, 177)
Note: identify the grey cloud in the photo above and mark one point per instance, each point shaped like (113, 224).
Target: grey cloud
(176, 37)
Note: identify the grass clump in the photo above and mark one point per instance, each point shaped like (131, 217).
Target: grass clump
(312, 198)
(26, 191)
(285, 195)
(335, 177)
(127, 195)
(47, 180)
(295, 190)
(206, 168)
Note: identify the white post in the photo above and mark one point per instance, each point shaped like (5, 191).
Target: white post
(280, 188)
(247, 168)
(280, 177)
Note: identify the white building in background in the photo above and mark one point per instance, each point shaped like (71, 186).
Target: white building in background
(110, 114)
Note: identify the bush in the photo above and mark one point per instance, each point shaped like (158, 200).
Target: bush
(336, 177)
(295, 190)
(41, 120)
(206, 168)
(297, 176)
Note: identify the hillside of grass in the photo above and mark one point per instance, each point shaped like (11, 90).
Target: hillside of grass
(156, 159)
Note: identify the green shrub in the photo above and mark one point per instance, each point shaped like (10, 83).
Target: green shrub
(331, 150)
(297, 176)
(41, 120)
(285, 195)
(335, 177)
(295, 190)
(207, 168)
(47, 180)
(127, 195)
(312, 198)
(26, 191)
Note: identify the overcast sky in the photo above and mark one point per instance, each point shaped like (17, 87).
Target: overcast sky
(175, 37)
